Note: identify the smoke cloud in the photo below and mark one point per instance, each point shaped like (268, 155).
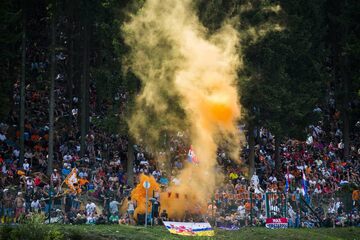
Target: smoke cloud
(189, 83)
(139, 193)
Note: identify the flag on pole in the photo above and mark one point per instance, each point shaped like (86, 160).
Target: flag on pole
(192, 156)
(303, 183)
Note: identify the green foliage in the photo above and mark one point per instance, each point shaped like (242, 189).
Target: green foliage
(54, 234)
(120, 232)
(5, 231)
(32, 229)
(283, 75)
(112, 123)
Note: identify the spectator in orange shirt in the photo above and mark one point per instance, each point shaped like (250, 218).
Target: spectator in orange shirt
(356, 197)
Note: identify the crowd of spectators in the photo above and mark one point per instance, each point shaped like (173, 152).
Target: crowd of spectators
(100, 169)
(332, 180)
(26, 189)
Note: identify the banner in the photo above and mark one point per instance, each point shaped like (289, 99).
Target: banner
(190, 228)
(274, 223)
(246, 196)
(239, 196)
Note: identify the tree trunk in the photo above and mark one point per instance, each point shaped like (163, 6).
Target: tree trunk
(87, 82)
(71, 33)
(22, 86)
(71, 70)
(251, 150)
(346, 134)
(277, 154)
(345, 80)
(84, 117)
(130, 163)
(52, 94)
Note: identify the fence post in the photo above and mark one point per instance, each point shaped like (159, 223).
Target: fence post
(251, 209)
(212, 210)
(286, 201)
(267, 205)
(299, 210)
(50, 200)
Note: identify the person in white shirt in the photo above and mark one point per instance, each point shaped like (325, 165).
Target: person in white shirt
(322, 181)
(3, 169)
(274, 209)
(144, 162)
(255, 179)
(114, 206)
(29, 183)
(55, 177)
(35, 205)
(341, 145)
(337, 204)
(272, 179)
(292, 215)
(176, 181)
(83, 174)
(16, 153)
(28, 155)
(74, 111)
(317, 190)
(289, 176)
(301, 167)
(156, 173)
(67, 157)
(312, 183)
(26, 166)
(90, 208)
(2, 137)
(318, 162)
(241, 211)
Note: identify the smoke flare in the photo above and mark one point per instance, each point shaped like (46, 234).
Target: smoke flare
(189, 83)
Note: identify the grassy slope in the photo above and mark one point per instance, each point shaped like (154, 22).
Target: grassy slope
(129, 232)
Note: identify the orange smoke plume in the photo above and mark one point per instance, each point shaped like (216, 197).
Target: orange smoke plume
(179, 61)
(139, 193)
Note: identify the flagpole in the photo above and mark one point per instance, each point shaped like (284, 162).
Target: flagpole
(287, 190)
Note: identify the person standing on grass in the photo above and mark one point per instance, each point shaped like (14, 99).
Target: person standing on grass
(90, 212)
(114, 207)
(155, 207)
(19, 204)
(8, 206)
(131, 209)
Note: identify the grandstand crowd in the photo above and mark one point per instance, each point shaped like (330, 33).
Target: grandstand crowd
(332, 181)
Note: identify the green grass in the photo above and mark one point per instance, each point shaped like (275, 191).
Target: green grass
(116, 232)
